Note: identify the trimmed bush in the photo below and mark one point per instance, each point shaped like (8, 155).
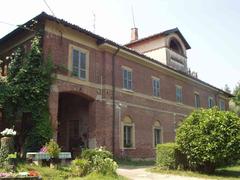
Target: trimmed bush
(53, 149)
(104, 165)
(101, 152)
(165, 154)
(80, 167)
(209, 138)
(96, 160)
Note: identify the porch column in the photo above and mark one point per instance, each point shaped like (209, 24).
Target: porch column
(53, 109)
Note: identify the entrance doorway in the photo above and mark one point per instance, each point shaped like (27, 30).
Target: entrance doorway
(73, 122)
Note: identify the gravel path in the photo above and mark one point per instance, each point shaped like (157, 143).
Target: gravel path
(140, 173)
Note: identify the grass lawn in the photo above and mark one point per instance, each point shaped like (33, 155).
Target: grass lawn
(225, 173)
(63, 173)
(131, 163)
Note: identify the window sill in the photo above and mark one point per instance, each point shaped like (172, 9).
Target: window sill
(128, 90)
(156, 97)
(179, 103)
(75, 77)
(126, 148)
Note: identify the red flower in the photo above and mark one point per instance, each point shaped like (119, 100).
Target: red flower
(33, 173)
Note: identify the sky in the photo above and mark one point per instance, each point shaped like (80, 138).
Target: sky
(211, 27)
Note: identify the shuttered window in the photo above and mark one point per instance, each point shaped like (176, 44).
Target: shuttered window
(156, 87)
(127, 79)
(79, 67)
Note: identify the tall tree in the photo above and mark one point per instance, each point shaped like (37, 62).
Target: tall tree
(227, 89)
(236, 93)
(234, 104)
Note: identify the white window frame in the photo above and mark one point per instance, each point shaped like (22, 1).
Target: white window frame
(70, 62)
(179, 99)
(197, 104)
(157, 126)
(129, 79)
(127, 121)
(210, 99)
(155, 89)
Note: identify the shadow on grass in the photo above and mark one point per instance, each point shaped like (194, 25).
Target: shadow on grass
(228, 173)
(135, 164)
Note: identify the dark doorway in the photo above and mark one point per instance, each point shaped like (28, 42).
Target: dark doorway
(73, 118)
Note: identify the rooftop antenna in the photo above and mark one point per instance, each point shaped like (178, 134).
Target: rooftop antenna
(49, 7)
(133, 17)
(94, 22)
(134, 30)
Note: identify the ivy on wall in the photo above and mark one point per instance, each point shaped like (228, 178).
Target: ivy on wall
(26, 89)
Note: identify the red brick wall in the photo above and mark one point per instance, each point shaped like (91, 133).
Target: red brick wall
(143, 111)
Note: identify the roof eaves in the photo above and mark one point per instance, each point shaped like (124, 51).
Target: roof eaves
(101, 40)
(167, 32)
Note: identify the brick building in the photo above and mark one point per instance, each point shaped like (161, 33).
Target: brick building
(127, 98)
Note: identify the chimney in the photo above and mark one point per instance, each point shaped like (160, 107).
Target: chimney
(134, 34)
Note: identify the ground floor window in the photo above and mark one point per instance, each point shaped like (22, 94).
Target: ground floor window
(127, 136)
(128, 133)
(157, 134)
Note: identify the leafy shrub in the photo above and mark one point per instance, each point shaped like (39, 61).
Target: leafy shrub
(104, 165)
(53, 149)
(80, 167)
(26, 89)
(96, 160)
(101, 152)
(209, 138)
(3, 155)
(166, 156)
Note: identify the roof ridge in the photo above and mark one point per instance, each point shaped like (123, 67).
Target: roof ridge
(102, 39)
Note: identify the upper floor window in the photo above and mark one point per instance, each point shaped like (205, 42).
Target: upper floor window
(210, 102)
(221, 105)
(127, 78)
(178, 93)
(175, 46)
(79, 63)
(197, 100)
(156, 87)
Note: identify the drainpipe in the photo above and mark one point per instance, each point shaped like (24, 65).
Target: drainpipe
(113, 100)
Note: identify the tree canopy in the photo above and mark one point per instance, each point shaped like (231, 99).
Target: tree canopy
(26, 89)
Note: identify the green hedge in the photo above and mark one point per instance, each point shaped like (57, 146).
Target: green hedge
(166, 156)
(169, 157)
(88, 154)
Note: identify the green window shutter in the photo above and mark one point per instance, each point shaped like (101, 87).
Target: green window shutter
(75, 63)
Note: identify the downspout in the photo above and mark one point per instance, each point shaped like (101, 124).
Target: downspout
(113, 100)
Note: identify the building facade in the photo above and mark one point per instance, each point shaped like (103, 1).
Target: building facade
(126, 98)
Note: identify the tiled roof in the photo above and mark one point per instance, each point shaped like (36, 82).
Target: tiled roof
(164, 33)
(101, 40)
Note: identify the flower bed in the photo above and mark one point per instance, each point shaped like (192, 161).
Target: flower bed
(21, 175)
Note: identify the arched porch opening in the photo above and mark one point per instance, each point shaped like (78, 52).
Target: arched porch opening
(73, 121)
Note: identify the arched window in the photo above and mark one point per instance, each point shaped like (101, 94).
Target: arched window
(157, 134)
(175, 46)
(128, 133)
